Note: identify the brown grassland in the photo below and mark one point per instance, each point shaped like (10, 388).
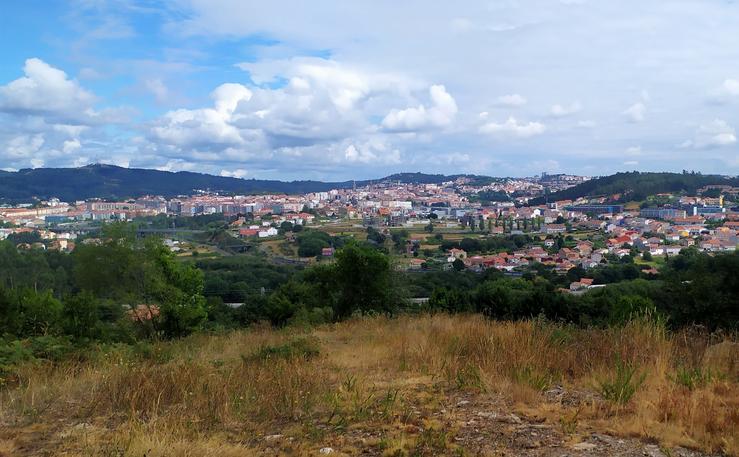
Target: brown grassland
(413, 385)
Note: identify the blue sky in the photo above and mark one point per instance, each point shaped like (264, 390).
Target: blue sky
(327, 90)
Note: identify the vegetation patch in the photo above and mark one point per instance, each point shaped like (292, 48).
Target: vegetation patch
(302, 348)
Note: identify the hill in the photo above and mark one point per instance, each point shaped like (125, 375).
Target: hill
(112, 182)
(419, 386)
(637, 186)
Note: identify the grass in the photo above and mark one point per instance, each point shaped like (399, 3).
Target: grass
(394, 385)
(622, 385)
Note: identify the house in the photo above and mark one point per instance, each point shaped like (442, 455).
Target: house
(555, 228)
(267, 233)
(248, 232)
(143, 312)
(455, 254)
(327, 252)
(583, 283)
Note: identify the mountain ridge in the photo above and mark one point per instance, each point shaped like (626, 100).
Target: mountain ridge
(114, 182)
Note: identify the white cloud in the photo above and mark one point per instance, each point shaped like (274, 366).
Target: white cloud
(511, 100)
(631, 162)
(513, 128)
(586, 124)
(565, 110)
(440, 114)
(636, 112)
(716, 133)
(633, 151)
(205, 126)
(45, 90)
(22, 146)
(235, 173)
(728, 91)
(371, 152)
(158, 89)
(71, 145)
(731, 87)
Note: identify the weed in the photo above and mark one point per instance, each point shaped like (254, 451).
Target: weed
(466, 377)
(536, 379)
(693, 378)
(621, 388)
(568, 424)
(431, 442)
(303, 348)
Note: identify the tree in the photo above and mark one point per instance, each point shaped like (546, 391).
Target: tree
(80, 317)
(135, 272)
(458, 265)
(647, 256)
(450, 300)
(363, 281)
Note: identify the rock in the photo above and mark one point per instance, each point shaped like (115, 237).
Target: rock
(652, 450)
(272, 437)
(326, 450)
(510, 419)
(584, 446)
(463, 402)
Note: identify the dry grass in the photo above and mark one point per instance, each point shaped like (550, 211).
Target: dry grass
(222, 394)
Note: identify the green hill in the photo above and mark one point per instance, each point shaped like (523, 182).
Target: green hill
(112, 182)
(637, 186)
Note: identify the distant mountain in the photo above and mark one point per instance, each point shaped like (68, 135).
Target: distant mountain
(112, 182)
(637, 186)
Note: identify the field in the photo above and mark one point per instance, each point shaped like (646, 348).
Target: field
(424, 385)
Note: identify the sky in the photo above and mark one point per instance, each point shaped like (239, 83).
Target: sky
(336, 90)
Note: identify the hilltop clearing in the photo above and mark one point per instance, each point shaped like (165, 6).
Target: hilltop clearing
(414, 385)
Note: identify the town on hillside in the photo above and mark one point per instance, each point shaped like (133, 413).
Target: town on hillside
(461, 224)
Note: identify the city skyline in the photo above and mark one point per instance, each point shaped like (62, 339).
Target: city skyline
(292, 91)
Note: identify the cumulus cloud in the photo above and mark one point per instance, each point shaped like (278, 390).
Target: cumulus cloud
(22, 146)
(513, 128)
(71, 145)
(371, 152)
(45, 90)
(312, 109)
(440, 114)
(716, 133)
(636, 112)
(565, 110)
(206, 126)
(235, 173)
(511, 100)
(343, 85)
(47, 118)
(727, 91)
